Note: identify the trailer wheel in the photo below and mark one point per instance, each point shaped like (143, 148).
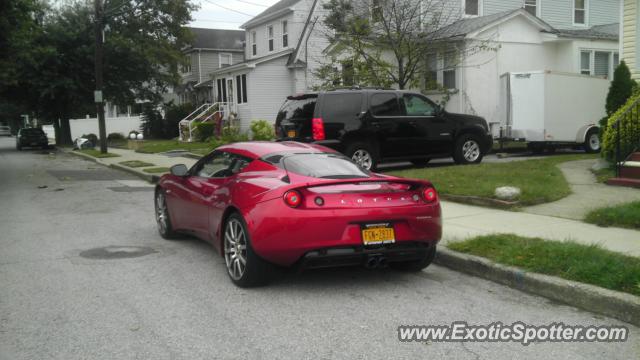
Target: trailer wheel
(592, 141)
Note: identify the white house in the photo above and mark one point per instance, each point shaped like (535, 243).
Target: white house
(283, 46)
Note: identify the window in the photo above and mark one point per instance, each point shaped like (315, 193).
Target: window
(225, 60)
(241, 88)
(531, 6)
(348, 73)
(222, 90)
(449, 72)
(270, 36)
(601, 64)
(220, 164)
(418, 106)
(285, 34)
(341, 108)
(385, 105)
(580, 12)
(185, 67)
(298, 108)
(254, 44)
(472, 7)
(431, 74)
(377, 11)
(321, 166)
(585, 62)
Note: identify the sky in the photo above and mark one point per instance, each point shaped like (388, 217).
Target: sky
(227, 14)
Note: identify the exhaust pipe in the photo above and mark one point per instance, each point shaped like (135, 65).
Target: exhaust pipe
(372, 262)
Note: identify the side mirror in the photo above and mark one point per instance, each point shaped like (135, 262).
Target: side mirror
(179, 170)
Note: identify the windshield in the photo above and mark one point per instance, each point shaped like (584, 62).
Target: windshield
(322, 166)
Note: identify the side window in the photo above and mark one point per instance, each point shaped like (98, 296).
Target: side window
(385, 105)
(341, 107)
(221, 164)
(418, 106)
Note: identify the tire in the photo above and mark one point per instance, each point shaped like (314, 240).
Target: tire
(163, 218)
(363, 154)
(420, 162)
(416, 265)
(592, 142)
(468, 150)
(236, 245)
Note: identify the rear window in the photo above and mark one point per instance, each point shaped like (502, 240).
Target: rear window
(31, 131)
(298, 108)
(341, 107)
(319, 165)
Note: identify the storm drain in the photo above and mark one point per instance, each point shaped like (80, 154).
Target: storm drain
(117, 252)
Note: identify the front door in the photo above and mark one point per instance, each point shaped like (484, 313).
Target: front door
(397, 135)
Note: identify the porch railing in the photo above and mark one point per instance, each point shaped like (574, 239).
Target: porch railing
(627, 135)
(204, 113)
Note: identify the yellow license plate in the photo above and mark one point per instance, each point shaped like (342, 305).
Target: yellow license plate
(291, 133)
(374, 234)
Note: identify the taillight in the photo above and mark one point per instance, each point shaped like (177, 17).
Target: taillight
(430, 195)
(292, 198)
(317, 128)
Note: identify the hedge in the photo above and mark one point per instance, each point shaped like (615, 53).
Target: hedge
(629, 133)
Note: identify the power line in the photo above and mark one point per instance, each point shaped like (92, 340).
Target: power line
(252, 3)
(226, 8)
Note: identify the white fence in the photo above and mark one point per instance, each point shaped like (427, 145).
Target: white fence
(122, 125)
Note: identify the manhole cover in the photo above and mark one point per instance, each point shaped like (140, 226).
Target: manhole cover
(117, 252)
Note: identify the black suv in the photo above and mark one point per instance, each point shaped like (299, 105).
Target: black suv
(373, 126)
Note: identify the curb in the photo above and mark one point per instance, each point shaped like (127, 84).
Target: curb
(480, 201)
(618, 305)
(144, 176)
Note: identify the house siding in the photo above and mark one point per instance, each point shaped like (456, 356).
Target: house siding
(294, 27)
(630, 48)
(269, 84)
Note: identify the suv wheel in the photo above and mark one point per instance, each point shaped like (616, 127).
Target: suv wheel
(467, 150)
(362, 154)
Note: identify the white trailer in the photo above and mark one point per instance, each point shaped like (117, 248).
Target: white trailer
(551, 109)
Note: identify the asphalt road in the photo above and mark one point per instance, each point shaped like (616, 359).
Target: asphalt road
(176, 302)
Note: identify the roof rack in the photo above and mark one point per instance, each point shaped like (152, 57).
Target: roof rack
(358, 87)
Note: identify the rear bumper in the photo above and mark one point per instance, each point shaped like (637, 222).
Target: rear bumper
(358, 255)
(283, 235)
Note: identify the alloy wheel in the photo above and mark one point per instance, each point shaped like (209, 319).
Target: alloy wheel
(235, 249)
(162, 215)
(594, 142)
(363, 159)
(471, 151)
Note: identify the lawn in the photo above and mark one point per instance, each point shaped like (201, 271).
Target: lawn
(625, 216)
(156, 170)
(540, 180)
(97, 153)
(136, 164)
(158, 146)
(568, 260)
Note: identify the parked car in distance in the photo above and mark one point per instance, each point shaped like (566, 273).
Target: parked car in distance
(5, 131)
(372, 126)
(31, 137)
(292, 204)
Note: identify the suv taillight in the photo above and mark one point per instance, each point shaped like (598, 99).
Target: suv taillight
(317, 129)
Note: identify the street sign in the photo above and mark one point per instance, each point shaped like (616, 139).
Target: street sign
(97, 96)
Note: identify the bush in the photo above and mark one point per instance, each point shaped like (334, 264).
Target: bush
(152, 122)
(172, 117)
(231, 134)
(91, 137)
(620, 90)
(116, 137)
(629, 133)
(262, 130)
(203, 131)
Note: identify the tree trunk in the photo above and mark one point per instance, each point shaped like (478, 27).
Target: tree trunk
(65, 131)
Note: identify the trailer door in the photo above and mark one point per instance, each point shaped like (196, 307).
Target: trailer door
(527, 106)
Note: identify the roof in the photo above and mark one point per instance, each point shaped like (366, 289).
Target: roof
(251, 63)
(466, 26)
(598, 32)
(217, 39)
(274, 10)
(258, 149)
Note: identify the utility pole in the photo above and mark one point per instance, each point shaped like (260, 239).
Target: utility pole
(98, 98)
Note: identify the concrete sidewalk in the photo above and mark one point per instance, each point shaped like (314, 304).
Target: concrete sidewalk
(460, 221)
(464, 221)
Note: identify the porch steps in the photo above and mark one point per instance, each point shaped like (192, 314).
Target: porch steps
(629, 173)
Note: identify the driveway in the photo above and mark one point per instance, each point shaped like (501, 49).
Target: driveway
(84, 275)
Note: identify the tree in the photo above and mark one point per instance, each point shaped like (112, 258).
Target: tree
(386, 41)
(621, 88)
(143, 42)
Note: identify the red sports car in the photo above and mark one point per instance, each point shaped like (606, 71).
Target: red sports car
(292, 204)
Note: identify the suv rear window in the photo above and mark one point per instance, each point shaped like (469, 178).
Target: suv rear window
(298, 108)
(319, 165)
(31, 131)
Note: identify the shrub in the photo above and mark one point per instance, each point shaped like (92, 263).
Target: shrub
(203, 131)
(262, 130)
(152, 122)
(91, 137)
(620, 90)
(116, 137)
(172, 117)
(629, 133)
(231, 134)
